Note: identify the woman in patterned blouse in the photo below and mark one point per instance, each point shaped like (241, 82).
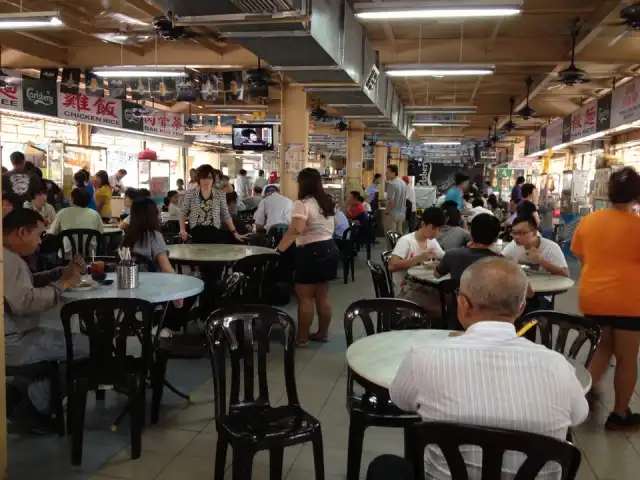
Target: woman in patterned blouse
(206, 208)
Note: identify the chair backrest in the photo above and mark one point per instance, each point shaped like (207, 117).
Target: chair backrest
(380, 282)
(276, 232)
(146, 264)
(585, 329)
(242, 336)
(82, 241)
(392, 239)
(494, 442)
(108, 323)
(386, 256)
(259, 272)
(258, 240)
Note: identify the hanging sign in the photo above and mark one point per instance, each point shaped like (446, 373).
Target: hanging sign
(566, 129)
(40, 96)
(132, 118)
(583, 121)
(11, 96)
(533, 143)
(554, 133)
(163, 123)
(625, 103)
(92, 110)
(603, 116)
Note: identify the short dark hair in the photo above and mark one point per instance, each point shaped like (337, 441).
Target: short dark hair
(30, 167)
(477, 202)
(393, 168)
(21, 218)
(17, 158)
(527, 189)
(232, 197)
(144, 193)
(525, 219)
(261, 173)
(122, 171)
(377, 176)
(466, 197)
(485, 229)
(257, 189)
(80, 177)
(242, 172)
(13, 199)
(449, 203)
(171, 193)
(624, 186)
(460, 178)
(205, 171)
(132, 193)
(80, 197)
(433, 216)
(520, 180)
(452, 215)
(493, 201)
(40, 189)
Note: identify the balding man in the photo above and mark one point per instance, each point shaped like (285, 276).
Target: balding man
(488, 376)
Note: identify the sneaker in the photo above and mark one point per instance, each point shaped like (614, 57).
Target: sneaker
(627, 421)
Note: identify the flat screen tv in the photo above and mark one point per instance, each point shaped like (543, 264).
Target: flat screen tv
(250, 136)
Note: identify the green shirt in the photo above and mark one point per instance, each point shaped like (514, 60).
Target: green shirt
(47, 211)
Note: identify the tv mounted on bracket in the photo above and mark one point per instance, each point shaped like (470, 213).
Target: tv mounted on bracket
(250, 136)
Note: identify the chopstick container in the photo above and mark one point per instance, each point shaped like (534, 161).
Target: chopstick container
(127, 276)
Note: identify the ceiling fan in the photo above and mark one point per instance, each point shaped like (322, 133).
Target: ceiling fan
(572, 75)
(630, 21)
(510, 126)
(488, 143)
(190, 123)
(527, 112)
(318, 113)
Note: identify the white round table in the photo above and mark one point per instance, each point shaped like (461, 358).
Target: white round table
(541, 283)
(153, 288)
(376, 358)
(106, 230)
(198, 253)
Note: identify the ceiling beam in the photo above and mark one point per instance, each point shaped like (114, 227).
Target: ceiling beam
(33, 47)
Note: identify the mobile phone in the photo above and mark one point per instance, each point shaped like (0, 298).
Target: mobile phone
(107, 282)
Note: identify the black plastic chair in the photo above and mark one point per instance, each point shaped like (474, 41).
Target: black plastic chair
(191, 346)
(259, 277)
(373, 407)
(494, 443)
(250, 424)
(108, 323)
(386, 256)
(380, 281)
(586, 329)
(81, 241)
(348, 252)
(392, 239)
(258, 240)
(276, 232)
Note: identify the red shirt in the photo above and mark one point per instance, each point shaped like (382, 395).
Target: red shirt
(355, 210)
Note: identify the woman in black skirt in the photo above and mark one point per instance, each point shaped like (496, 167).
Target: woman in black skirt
(316, 259)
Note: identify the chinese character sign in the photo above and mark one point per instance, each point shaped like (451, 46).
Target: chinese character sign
(625, 103)
(92, 110)
(11, 96)
(164, 123)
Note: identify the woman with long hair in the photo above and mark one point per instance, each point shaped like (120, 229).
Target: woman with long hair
(312, 226)
(492, 203)
(607, 243)
(452, 234)
(103, 195)
(82, 180)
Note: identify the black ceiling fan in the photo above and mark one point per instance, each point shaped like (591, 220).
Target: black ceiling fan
(510, 126)
(573, 75)
(488, 143)
(629, 21)
(527, 112)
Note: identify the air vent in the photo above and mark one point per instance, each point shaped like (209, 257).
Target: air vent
(263, 6)
(372, 79)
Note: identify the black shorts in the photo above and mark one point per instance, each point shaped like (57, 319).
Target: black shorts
(617, 323)
(316, 263)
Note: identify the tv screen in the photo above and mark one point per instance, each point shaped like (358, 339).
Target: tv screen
(252, 137)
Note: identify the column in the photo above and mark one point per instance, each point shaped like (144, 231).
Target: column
(294, 138)
(3, 397)
(355, 139)
(380, 164)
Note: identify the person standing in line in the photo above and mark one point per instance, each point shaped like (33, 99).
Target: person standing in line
(243, 184)
(115, 181)
(20, 180)
(528, 206)
(373, 193)
(412, 207)
(103, 195)
(82, 180)
(607, 244)
(516, 191)
(456, 192)
(261, 181)
(395, 211)
(312, 227)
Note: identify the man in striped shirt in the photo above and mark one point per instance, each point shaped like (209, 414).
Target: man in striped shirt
(489, 376)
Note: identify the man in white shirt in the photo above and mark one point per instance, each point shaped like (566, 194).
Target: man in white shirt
(476, 378)
(115, 181)
(242, 184)
(260, 181)
(413, 249)
(275, 209)
(477, 208)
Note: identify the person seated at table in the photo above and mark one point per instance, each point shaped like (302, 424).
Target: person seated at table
(485, 229)
(251, 202)
(232, 204)
(341, 222)
(492, 204)
(452, 235)
(130, 195)
(77, 216)
(413, 249)
(27, 297)
(488, 363)
(355, 209)
(173, 207)
(477, 207)
(10, 202)
(529, 247)
(275, 209)
(39, 204)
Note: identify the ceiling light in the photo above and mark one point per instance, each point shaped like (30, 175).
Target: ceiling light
(439, 109)
(126, 72)
(438, 13)
(10, 21)
(441, 124)
(442, 143)
(427, 124)
(427, 71)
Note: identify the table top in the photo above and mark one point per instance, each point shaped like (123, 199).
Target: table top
(154, 288)
(213, 253)
(542, 283)
(107, 230)
(376, 358)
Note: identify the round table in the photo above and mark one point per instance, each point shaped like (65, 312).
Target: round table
(107, 230)
(153, 288)
(376, 358)
(541, 283)
(199, 253)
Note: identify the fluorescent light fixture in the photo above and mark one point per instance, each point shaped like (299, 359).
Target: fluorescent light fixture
(439, 70)
(438, 13)
(123, 18)
(126, 72)
(442, 143)
(427, 124)
(10, 21)
(440, 109)
(441, 124)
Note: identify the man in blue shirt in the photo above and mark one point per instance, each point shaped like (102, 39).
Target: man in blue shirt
(516, 192)
(455, 192)
(372, 191)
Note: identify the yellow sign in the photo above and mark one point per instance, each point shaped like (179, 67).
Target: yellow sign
(546, 160)
(259, 115)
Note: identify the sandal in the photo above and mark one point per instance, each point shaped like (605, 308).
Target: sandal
(302, 344)
(316, 337)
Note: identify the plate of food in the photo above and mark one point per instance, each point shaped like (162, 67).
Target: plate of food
(430, 264)
(85, 285)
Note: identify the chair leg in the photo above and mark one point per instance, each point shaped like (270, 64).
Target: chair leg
(318, 455)
(354, 453)
(77, 430)
(158, 373)
(221, 459)
(242, 464)
(275, 463)
(352, 263)
(368, 250)
(345, 269)
(136, 411)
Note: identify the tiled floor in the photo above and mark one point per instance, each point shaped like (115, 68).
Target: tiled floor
(182, 447)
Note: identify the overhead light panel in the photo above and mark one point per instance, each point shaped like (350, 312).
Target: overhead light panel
(10, 21)
(126, 72)
(442, 143)
(437, 9)
(440, 109)
(438, 70)
(441, 124)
